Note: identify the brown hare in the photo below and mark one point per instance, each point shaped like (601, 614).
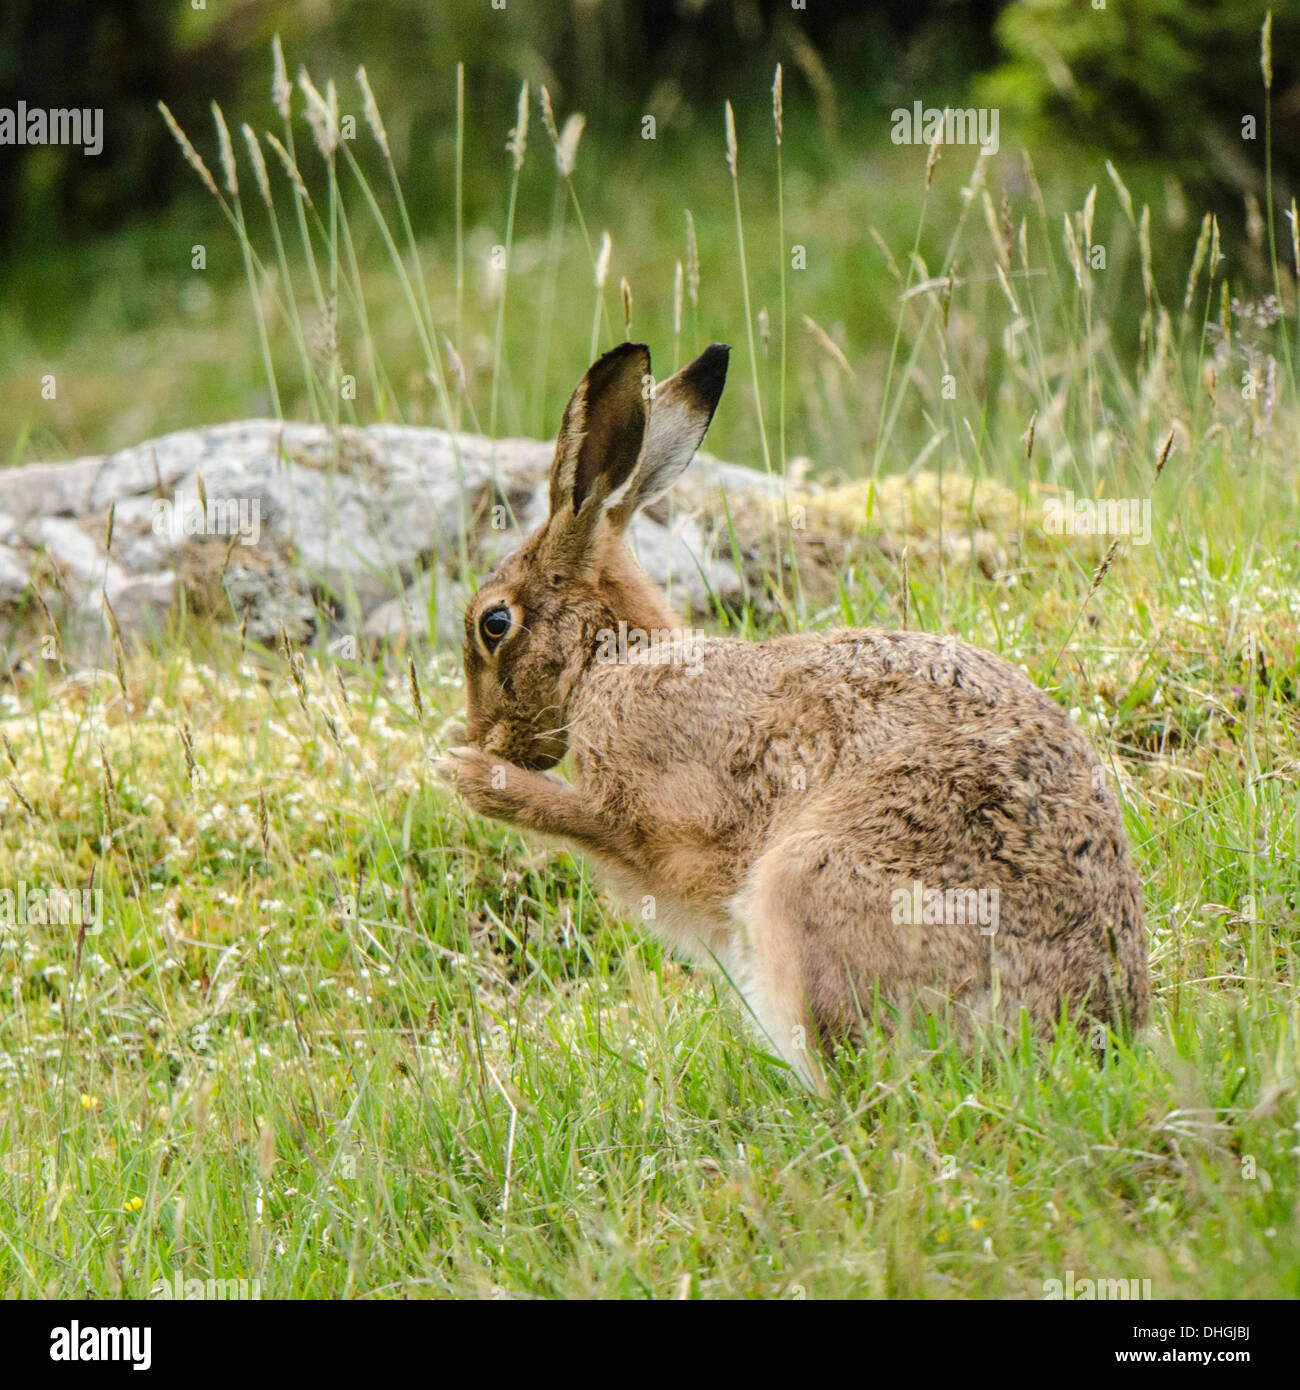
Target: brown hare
(852, 825)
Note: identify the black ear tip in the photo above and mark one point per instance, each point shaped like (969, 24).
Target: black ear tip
(708, 373)
(615, 365)
(621, 353)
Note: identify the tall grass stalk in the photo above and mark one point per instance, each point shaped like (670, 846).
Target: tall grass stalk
(565, 146)
(778, 568)
(693, 278)
(891, 406)
(282, 97)
(252, 266)
(733, 166)
(783, 255)
(460, 217)
(311, 384)
(1266, 68)
(601, 274)
(322, 116)
(778, 121)
(517, 145)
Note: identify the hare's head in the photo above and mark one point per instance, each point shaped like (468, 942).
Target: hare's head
(532, 627)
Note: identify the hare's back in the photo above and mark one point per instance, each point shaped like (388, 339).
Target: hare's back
(907, 686)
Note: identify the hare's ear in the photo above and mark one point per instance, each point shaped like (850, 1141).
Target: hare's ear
(680, 411)
(600, 438)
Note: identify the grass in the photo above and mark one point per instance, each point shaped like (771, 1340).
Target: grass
(364, 1046)
(338, 1037)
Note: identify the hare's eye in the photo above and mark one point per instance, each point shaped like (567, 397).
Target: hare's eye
(494, 624)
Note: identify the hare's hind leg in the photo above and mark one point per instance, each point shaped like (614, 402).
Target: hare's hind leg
(820, 945)
(812, 924)
(766, 969)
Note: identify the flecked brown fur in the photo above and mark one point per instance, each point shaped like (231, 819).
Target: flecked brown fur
(781, 806)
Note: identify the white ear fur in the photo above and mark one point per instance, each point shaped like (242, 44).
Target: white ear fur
(681, 409)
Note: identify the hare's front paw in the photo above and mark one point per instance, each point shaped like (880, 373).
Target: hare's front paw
(482, 780)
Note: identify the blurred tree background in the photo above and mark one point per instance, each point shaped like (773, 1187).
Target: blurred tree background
(94, 248)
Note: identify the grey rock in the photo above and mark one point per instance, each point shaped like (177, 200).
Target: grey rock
(47, 489)
(13, 576)
(408, 616)
(141, 601)
(77, 557)
(677, 557)
(326, 532)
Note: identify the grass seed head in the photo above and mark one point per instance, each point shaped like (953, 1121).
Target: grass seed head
(1165, 450)
(415, 689)
(226, 151)
(18, 792)
(455, 363)
(692, 261)
(192, 157)
(373, 119)
(548, 117)
(290, 168)
(566, 152)
(518, 141)
(281, 87)
(263, 822)
(322, 116)
(259, 164)
(778, 115)
(1198, 260)
(1103, 569)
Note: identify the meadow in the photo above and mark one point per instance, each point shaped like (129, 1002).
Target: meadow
(342, 1038)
